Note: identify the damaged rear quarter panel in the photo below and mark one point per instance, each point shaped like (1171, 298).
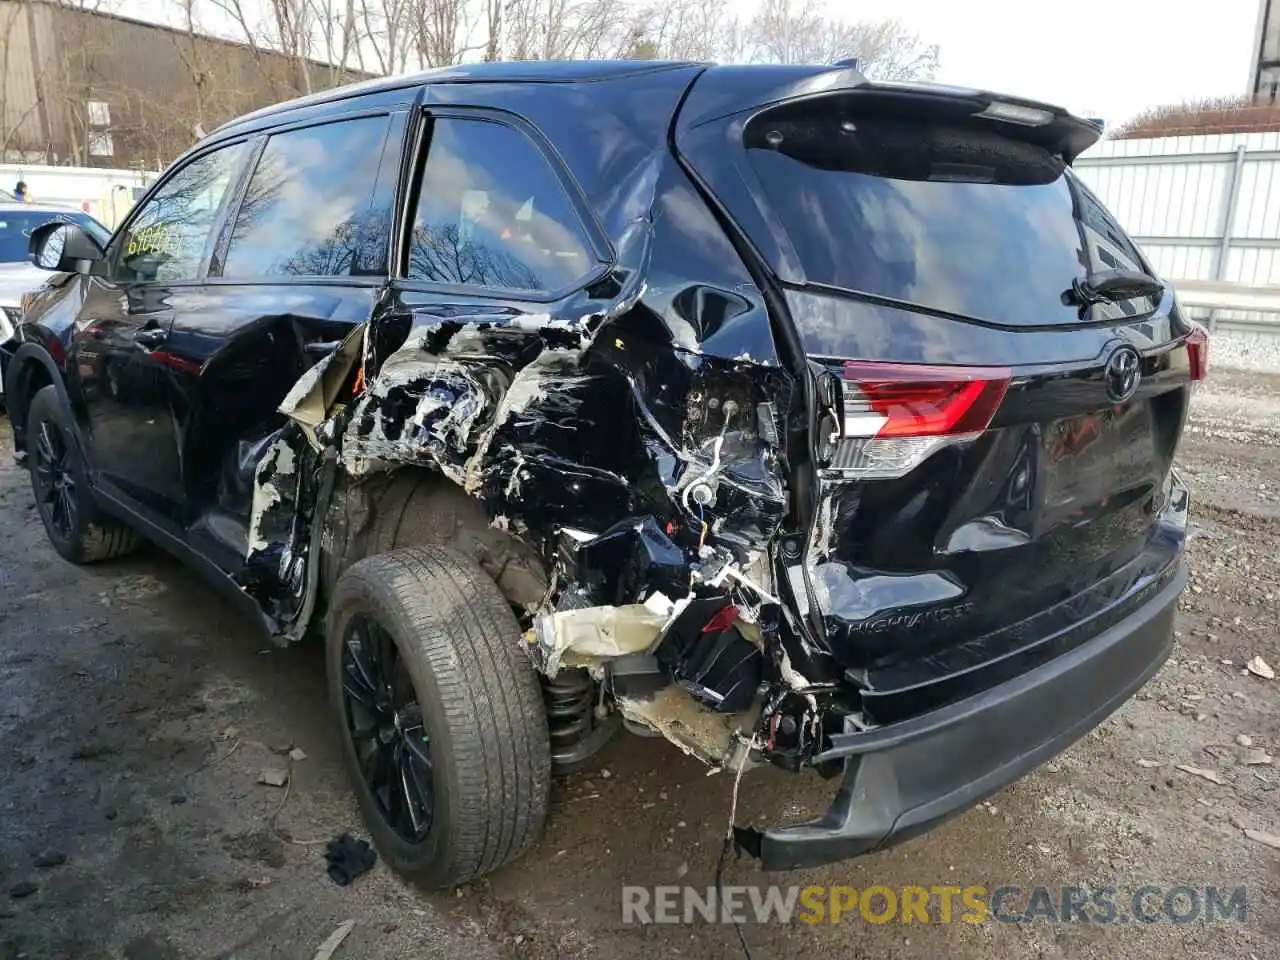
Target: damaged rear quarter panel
(651, 398)
(600, 406)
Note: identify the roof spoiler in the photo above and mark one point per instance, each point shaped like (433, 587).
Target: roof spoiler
(729, 91)
(1029, 120)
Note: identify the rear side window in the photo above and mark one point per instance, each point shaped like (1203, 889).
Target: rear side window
(1108, 245)
(492, 213)
(172, 232)
(308, 210)
(946, 214)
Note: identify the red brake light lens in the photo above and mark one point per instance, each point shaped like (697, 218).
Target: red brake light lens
(919, 400)
(1198, 353)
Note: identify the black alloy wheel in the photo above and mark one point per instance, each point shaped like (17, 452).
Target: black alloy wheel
(440, 713)
(384, 722)
(53, 469)
(73, 521)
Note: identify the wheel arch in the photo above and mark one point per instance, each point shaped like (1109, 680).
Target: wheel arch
(30, 369)
(413, 506)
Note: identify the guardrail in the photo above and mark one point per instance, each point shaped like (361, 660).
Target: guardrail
(1238, 307)
(1218, 295)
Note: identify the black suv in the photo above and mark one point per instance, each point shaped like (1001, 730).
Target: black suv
(802, 419)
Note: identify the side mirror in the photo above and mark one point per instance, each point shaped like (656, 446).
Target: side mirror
(64, 247)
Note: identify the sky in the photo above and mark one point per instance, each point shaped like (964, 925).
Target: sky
(1104, 58)
(1100, 58)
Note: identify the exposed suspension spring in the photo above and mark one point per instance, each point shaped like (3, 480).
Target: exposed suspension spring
(569, 698)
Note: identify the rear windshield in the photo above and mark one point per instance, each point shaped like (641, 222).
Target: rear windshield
(948, 215)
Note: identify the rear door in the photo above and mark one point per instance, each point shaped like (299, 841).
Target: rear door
(301, 261)
(1003, 382)
(119, 356)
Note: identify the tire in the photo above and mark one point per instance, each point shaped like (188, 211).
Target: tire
(475, 696)
(411, 508)
(78, 530)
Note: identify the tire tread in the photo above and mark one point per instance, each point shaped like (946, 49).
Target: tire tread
(103, 537)
(466, 636)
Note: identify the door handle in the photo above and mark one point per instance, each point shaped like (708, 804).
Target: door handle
(151, 336)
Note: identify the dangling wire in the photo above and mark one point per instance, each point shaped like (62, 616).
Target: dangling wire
(728, 843)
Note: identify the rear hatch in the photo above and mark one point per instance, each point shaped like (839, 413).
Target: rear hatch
(1000, 382)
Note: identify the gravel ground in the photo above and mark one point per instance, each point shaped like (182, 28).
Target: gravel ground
(1245, 350)
(137, 712)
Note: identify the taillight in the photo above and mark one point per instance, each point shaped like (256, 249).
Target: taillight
(914, 400)
(898, 414)
(1198, 353)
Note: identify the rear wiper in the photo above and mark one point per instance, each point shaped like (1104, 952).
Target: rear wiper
(1108, 286)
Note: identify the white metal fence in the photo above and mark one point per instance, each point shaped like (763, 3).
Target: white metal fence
(1206, 211)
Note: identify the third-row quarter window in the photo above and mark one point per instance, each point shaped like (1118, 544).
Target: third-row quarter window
(492, 213)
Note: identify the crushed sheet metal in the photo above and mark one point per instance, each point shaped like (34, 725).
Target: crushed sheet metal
(714, 738)
(552, 370)
(442, 400)
(513, 407)
(589, 636)
(577, 417)
(790, 676)
(311, 400)
(274, 485)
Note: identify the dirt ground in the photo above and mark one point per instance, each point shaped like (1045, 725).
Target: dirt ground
(137, 711)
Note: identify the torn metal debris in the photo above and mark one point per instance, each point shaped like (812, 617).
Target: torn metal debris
(644, 524)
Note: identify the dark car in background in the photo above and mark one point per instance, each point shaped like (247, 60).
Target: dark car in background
(801, 419)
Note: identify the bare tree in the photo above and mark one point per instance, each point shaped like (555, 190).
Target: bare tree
(439, 29)
(293, 35)
(696, 30)
(567, 29)
(799, 31)
(14, 22)
(339, 38)
(284, 27)
(47, 68)
(493, 29)
(386, 34)
(789, 31)
(281, 48)
(885, 50)
(191, 50)
(76, 79)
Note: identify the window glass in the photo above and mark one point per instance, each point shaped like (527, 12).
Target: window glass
(307, 211)
(946, 213)
(492, 213)
(1109, 246)
(168, 238)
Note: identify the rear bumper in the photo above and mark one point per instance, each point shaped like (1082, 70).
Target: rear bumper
(904, 779)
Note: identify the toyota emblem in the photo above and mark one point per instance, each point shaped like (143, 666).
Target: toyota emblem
(1123, 373)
